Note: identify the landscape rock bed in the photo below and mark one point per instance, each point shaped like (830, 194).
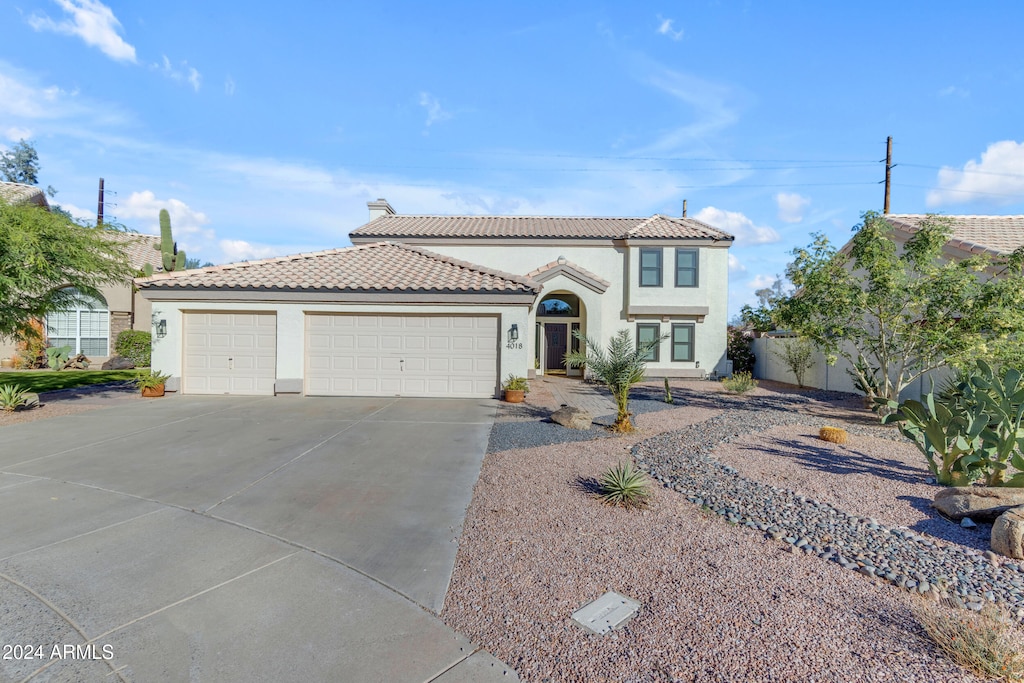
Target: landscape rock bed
(683, 461)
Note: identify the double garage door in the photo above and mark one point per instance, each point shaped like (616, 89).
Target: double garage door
(401, 355)
(345, 354)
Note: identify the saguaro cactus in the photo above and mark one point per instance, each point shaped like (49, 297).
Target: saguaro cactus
(168, 248)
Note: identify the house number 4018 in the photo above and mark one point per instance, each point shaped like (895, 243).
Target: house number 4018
(514, 345)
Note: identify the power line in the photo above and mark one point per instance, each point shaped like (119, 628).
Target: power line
(1019, 195)
(958, 170)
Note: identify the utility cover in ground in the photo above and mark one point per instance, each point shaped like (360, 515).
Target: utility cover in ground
(608, 612)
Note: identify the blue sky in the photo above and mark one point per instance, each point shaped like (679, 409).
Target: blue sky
(265, 128)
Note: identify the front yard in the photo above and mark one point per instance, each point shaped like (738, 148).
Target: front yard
(766, 554)
(39, 381)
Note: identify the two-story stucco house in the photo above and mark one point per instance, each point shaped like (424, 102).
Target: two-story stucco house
(445, 305)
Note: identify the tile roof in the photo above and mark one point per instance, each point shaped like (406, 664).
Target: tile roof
(563, 265)
(382, 266)
(653, 227)
(139, 248)
(989, 234)
(19, 193)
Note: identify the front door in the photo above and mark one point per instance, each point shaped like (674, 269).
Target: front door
(556, 339)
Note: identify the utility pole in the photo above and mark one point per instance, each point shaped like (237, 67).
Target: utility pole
(99, 206)
(888, 173)
(684, 208)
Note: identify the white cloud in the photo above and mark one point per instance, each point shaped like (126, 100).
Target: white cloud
(761, 281)
(240, 250)
(143, 210)
(998, 178)
(229, 86)
(735, 266)
(93, 22)
(954, 90)
(78, 212)
(435, 113)
(714, 107)
(665, 28)
(791, 206)
(184, 74)
(736, 223)
(14, 134)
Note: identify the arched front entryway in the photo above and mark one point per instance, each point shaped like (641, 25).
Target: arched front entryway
(560, 315)
(85, 326)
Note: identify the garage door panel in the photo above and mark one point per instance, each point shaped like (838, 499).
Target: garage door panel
(402, 355)
(230, 353)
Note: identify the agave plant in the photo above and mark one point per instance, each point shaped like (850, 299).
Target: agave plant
(620, 367)
(622, 485)
(12, 396)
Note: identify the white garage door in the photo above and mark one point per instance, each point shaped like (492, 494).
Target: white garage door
(400, 355)
(230, 353)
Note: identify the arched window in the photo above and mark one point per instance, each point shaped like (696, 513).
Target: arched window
(85, 327)
(566, 305)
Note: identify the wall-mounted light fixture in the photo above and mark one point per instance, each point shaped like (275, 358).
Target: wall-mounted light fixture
(513, 333)
(161, 328)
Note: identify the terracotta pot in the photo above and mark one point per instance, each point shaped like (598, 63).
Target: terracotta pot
(7, 363)
(153, 392)
(515, 395)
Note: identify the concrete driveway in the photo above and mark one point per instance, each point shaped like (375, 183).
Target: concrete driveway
(238, 539)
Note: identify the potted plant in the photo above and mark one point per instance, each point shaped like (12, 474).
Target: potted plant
(516, 389)
(151, 383)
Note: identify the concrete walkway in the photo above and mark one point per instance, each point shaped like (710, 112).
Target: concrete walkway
(239, 539)
(554, 391)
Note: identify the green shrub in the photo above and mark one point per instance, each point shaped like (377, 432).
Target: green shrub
(739, 383)
(12, 396)
(798, 355)
(622, 485)
(970, 433)
(514, 383)
(740, 351)
(135, 345)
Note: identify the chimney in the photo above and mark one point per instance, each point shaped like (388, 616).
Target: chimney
(380, 208)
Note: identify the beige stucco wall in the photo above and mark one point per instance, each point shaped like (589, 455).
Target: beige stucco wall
(606, 313)
(291, 331)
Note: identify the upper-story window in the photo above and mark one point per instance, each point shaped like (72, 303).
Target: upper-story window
(650, 267)
(687, 268)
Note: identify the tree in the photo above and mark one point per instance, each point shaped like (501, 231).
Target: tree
(762, 318)
(42, 254)
(896, 314)
(798, 355)
(20, 164)
(619, 367)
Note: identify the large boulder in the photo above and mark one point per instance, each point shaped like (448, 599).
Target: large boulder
(1008, 534)
(573, 418)
(980, 503)
(119, 363)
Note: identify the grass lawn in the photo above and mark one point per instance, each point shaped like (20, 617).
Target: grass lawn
(51, 380)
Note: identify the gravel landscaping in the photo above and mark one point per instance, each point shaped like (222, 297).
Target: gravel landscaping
(54, 404)
(742, 563)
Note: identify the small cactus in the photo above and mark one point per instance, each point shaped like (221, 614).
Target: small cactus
(668, 392)
(833, 435)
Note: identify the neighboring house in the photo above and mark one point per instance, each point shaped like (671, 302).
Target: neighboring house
(93, 325)
(992, 235)
(444, 305)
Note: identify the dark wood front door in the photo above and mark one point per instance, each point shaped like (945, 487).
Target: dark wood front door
(556, 339)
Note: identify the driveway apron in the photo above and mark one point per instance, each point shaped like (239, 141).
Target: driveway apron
(239, 539)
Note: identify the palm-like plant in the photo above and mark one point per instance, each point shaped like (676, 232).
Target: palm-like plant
(620, 366)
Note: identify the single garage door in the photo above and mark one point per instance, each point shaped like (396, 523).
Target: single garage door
(230, 353)
(402, 355)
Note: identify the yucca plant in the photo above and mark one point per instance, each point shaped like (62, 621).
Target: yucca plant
(624, 486)
(619, 367)
(12, 396)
